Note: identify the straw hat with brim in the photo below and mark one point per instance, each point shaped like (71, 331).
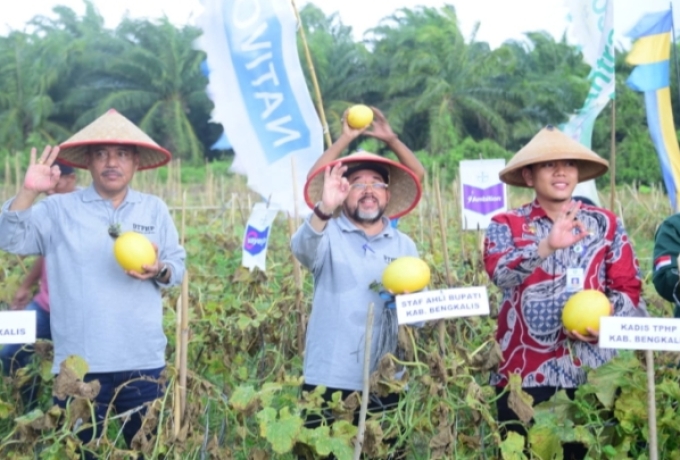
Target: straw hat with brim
(112, 128)
(551, 144)
(404, 186)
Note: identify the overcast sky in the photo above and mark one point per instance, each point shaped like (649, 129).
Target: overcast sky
(499, 19)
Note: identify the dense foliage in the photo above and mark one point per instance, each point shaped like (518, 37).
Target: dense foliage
(246, 351)
(449, 96)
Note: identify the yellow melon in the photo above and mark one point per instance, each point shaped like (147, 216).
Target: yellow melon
(132, 250)
(406, 274)
(359, 116)
(584, 309)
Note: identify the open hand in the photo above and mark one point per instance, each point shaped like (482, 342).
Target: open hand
(42, 175)
(381, 128)
(562, 234)
(335, 187)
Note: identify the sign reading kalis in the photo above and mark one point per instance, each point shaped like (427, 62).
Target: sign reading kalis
(483, 200)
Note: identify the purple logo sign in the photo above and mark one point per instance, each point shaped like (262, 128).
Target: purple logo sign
(483, 200)
(255, 241)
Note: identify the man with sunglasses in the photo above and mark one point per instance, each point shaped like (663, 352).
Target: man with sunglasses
(346, 243)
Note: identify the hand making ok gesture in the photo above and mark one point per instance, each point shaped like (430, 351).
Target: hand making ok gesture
(42, 175)
(562, 234)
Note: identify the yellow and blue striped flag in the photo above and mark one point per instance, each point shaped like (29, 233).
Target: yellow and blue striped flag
(651, 56)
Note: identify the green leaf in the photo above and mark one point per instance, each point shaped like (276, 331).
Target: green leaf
(46, 371)
(244, 398)
(607, 378)
(544, 438)
(559, 405)
(243, 322)
(5, 409)
(281, 433)
(319, 438)
(29, 418)
(76, 364)
(512, 448)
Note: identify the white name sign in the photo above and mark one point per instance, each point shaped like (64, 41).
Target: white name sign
(662, 334)
(17, 326)
(445, 303)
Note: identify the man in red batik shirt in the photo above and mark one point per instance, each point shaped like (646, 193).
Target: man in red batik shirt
(542, 253)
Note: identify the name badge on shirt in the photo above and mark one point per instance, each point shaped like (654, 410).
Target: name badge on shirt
(575, 278)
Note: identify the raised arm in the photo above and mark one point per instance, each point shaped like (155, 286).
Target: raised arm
(383, 131)
(334, 151)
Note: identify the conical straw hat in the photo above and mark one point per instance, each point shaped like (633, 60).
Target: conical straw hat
(112, 128)
(551, 144)
(404, 186)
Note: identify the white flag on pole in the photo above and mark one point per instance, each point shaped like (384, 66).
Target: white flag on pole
(260, 94)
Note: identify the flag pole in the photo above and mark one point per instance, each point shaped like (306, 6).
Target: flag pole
(612, 160)
(675, 54)
(312, 72)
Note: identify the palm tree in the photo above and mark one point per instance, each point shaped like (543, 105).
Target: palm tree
(151, 74)
(435, 80)
(28, 70)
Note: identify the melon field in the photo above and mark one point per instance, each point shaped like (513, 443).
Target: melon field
(246, 346)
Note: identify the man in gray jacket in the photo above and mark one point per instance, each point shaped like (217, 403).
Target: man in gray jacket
(347, 243)
(109, 317)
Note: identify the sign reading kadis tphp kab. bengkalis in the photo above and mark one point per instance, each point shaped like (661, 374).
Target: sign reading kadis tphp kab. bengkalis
(483, 195)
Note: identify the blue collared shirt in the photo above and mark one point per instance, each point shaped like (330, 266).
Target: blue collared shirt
(344, 262)
(113, 321)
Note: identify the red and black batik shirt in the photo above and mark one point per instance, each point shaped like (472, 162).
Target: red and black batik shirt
(530, 331)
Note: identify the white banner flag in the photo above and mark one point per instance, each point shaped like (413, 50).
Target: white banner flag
(257, 236)
(482, 193)
(260, 95)
(592, 27)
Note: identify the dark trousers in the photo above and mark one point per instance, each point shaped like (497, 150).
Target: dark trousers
(133, 394)
(572, 450)
(375, 404)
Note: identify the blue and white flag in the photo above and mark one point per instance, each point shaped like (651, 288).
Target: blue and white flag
(256, 237)
(592, 26)
(260, 95)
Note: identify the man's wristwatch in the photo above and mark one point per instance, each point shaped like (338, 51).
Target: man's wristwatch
(162, 272)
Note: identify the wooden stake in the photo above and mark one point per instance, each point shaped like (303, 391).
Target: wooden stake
(184, 320)
(315, 83)
(293, 224)
(441, 324)
(612, 160)
(366, 384)
(651, 406)
(17, 174)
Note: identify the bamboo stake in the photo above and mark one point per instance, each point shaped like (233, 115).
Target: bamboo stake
(178, 363)
(184, 320)
(367, 378)
(17, 174)
(8, 173)
(180, 349)
(315, 83)
(651, 406)
(442, 231)
(297, 270)
(612, 160)
(441, 324)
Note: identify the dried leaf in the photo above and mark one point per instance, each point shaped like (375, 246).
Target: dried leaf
(519, 401)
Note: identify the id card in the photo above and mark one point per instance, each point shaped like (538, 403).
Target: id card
(574, 279)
